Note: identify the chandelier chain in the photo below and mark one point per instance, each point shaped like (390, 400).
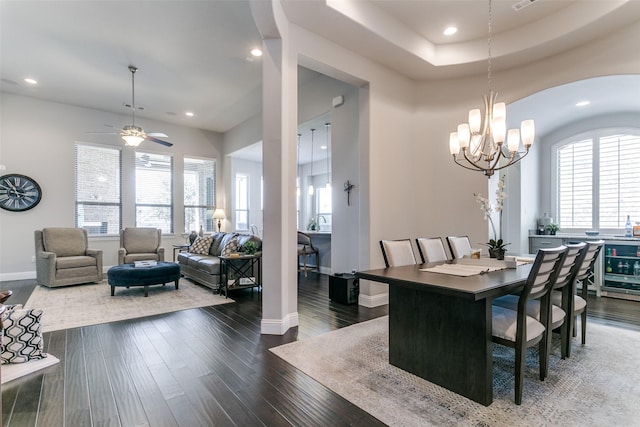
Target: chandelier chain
(489, 49)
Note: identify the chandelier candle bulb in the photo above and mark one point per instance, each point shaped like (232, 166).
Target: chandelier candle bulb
(513, 140)
(454, 144)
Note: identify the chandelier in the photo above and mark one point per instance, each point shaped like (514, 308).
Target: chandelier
(481, 146)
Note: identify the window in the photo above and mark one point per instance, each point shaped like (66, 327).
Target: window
(98, 189)
(324, 208)
(199, 194)
(242, 202)
(598, 179)
(154, 191)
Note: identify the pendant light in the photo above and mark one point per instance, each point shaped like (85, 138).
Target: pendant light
(298, 167)
(327, 127)
(311, 190)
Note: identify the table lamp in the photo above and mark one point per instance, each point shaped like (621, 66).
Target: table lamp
(219, 215)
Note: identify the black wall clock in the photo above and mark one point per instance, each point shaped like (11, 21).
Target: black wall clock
(18, 192)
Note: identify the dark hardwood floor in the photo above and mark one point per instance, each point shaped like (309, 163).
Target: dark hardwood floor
(200, 367)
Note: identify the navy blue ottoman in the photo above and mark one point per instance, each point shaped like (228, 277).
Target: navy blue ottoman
(128, 275)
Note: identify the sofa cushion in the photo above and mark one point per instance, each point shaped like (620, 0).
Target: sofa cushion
(225, 240)
(64, 241)
(22, 339)
(232, 246)
(201, 245)
(210, 265)
(215, 245)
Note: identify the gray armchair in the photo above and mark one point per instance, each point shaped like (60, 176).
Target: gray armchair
(63, 257)
(140, 244)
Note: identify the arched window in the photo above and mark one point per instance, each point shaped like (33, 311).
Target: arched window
(597, 179)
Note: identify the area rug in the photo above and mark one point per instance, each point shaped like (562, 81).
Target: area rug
(599, 385)
(12, 371)
(92, 304)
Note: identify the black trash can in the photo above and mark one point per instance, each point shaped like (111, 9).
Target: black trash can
(343, 288)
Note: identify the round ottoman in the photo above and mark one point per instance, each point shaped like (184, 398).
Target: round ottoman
(129, 275)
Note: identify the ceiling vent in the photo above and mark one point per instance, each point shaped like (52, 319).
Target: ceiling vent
(522, 4)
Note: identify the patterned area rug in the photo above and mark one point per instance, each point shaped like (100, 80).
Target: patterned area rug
(92, 304)
(599, 385)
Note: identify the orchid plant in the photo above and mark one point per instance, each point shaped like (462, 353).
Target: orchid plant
(488, 209)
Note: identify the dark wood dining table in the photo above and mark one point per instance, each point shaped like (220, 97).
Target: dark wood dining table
(440, 324)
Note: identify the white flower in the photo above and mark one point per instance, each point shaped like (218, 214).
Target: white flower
(488, 209)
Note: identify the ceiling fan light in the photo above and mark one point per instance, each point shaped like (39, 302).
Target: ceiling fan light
(132, 140)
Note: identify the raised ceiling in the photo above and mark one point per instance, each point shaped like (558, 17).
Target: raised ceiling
(192, 55)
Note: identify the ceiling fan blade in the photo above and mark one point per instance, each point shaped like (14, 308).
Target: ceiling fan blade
(159, 141)
(102, 133)
(159, 134)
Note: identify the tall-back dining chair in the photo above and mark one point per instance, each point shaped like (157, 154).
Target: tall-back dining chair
(515, 329)
(459, 246)
(558, 319)
(577, 305)
(431, 249)
(397, 252)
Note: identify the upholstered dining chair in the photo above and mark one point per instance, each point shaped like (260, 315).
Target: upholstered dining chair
(459, 246)
(515, 329)
(305, 249)
(140, 244)
(578, 304)
(558, 319)
(431, 249)
(397, 252)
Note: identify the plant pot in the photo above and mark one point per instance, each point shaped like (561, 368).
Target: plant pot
(496, 253)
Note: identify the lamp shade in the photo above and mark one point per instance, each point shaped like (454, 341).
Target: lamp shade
(219, 214)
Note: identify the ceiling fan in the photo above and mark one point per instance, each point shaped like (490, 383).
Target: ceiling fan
(131, 134)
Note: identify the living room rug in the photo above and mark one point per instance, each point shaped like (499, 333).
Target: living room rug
(92, 304)
(599, 385)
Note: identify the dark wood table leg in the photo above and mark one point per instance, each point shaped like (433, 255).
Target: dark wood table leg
(443, 339)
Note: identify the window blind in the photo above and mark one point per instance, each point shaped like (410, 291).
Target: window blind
(154, 191)
(199, 194)
(98, 189)
(575, 182)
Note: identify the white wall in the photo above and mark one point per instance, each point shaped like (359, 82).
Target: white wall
(37, 139)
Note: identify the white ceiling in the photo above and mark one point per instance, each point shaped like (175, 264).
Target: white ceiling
(192, 55)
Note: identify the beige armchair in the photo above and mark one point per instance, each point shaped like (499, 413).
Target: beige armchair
(139, 244)
(63, 257)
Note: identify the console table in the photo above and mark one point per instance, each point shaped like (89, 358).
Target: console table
(240, 272)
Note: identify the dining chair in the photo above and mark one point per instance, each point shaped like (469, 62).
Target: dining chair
(515, 329)
(431, 249)
(459, 246)
(578, 304)
(397, 252)
(558, 319)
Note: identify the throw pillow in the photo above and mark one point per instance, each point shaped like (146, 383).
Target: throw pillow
(232, 246)
(201, 245)
(22, 339)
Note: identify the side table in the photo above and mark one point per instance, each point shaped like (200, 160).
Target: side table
(240, 272)
(179, 248)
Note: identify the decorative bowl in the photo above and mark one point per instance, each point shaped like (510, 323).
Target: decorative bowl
(592, 232)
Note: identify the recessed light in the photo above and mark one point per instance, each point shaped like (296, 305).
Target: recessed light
(449, 31)
(188, 114)
(256, 52)
(31, 81)
(323, 147)
(582, 103)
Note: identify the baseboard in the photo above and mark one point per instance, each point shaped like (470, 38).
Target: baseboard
(279, 326)
(371, 301)
(26, 275)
